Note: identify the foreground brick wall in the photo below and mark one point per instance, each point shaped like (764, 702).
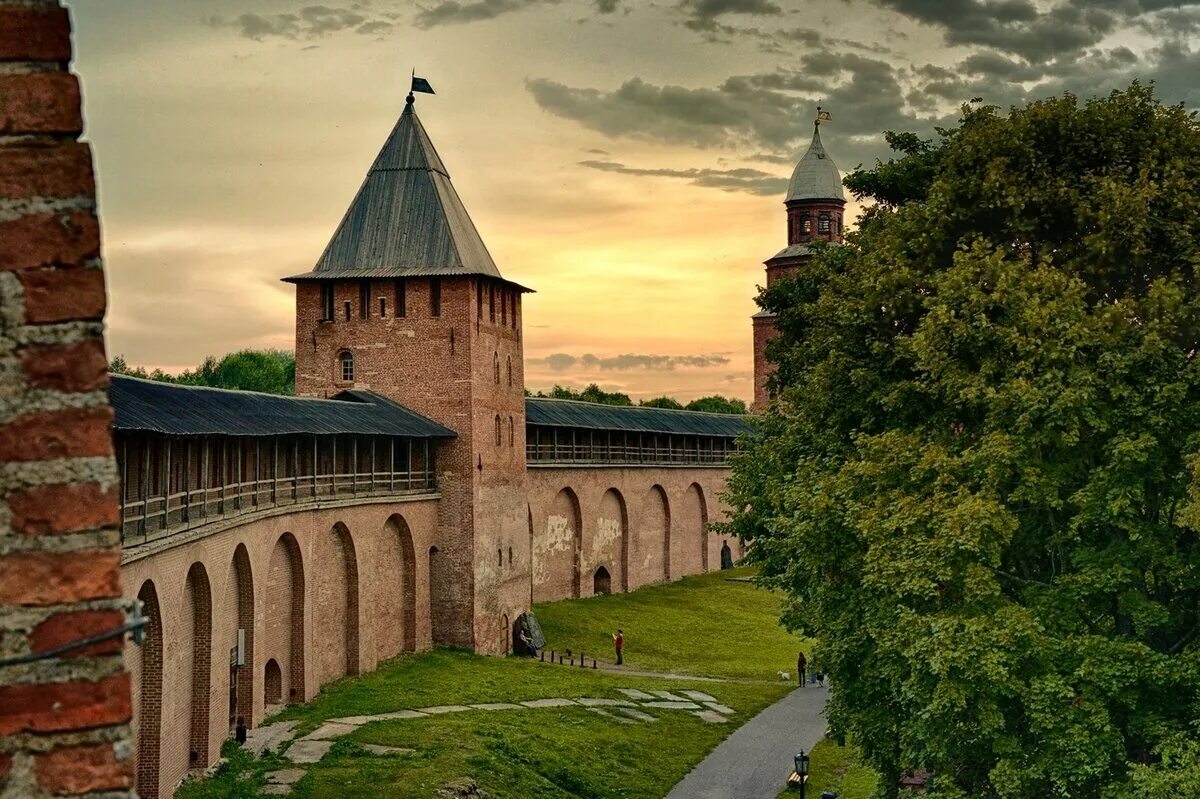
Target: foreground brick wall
(63, 721)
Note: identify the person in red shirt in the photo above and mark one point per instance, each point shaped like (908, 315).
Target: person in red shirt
(619, 643)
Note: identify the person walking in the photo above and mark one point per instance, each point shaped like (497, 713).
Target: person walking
(619, 643)
(801, 665)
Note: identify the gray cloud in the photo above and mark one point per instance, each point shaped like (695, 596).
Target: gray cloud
(561, 362)
(451, 12)
(607, 6)
(702, 15)
(750, 181)
(310, 22)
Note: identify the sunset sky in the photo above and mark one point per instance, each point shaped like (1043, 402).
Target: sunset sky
(625, 159)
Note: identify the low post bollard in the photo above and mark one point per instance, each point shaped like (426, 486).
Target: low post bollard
(581, 665)
(593, 663)
(543, 654)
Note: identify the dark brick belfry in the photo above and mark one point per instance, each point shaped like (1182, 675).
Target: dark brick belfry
(815, 204)
(64, 709)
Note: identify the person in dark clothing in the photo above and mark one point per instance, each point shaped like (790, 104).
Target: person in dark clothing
(619, 643)
(530, 649)
(801, 666)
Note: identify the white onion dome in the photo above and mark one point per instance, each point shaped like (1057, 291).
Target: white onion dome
(816, 177)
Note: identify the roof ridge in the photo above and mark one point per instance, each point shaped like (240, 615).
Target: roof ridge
(647, 408)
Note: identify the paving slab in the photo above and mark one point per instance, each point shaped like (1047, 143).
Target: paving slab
(285, 776)
(634, 713)
(307, 751)
(355, 720)
(275, 790)
(602, 712)
(399, 714)
(634, 693)
(439, 709)
(588, 701)
(667, 695)
(681, 705)
(711, 716)
(699, 696)
(754, 761)
(270, 736)
(329, 731)
(377, 749)
(498, 706)
(548, 703)
(717, 706)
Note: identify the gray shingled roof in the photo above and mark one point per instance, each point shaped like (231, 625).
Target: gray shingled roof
(816, 177)
(591, 415)
(172, 409)
(406, 220)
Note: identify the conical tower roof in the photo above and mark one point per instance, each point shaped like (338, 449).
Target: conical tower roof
(816, 177)
(406, 220)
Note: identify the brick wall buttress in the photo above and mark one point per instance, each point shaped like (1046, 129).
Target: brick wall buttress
(64, 720)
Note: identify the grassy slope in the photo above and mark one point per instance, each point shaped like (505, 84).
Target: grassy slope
(701, 625)
(552, 753)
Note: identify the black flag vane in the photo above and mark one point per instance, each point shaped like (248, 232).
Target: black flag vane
(418, 85)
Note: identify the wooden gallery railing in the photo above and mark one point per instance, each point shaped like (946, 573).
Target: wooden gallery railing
(547, 445)
(174, 483)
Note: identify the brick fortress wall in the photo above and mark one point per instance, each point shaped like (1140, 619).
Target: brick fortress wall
(64, 720)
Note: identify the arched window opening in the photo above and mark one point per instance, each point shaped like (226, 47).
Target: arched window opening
(806, 225)
(496, 367)
(510, 556)
(499, 556)
(823, 223)
(497, 430)
(510, 370)
(491, 303)
(512, 436)
(346, 366)
(346, 310)
(601, 582)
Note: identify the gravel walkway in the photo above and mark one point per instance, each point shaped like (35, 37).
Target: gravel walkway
(755, 761)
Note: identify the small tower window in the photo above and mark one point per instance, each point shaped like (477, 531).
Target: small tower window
(504, 308)
(364, 299)
(823, 223)
(346, 366)
(346, 310)
(510, 556)
(491, 303)
(512, 436)
(479, 300)
(496, 367)
(510, 370)
(806, 225)
(514, 310)
(401, 298)
(383, 307)
(326, 302)
(497, 430)
(435, 297)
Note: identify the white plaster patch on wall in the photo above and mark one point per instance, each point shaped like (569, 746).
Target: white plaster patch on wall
(607, 541)
(559, 537)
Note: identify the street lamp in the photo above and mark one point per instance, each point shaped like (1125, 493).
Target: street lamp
(802, 771)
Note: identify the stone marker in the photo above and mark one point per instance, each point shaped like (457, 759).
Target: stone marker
(270, 736)
(634, 693)
(275, 790)
(635, 714)
(710, 716)
(330, 730)
(602, 712)
(377, 749)
(681, 705)
(548, 703)
(497, 706)
(307, 751)
(399, 714)
(443, 709)
(726, 709)
(667, 695)
(588, 701)
(285, 776)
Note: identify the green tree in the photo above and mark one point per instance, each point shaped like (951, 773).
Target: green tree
(662, 402)
(593, 393)
(978, 484)
(270, 371)
(718, 404)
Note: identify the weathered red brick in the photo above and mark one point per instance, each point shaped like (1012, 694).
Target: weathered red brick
(40, 240)
(61, 170)
(49, 707)
(83, 769)
(5, 767)
(63, 508)
(80, 366)
(34, 34)
(73, 433)
(66, 628)
(40, 103)
(48, 578)
(63, 295)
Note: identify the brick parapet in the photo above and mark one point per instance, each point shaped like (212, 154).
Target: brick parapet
(63, 720)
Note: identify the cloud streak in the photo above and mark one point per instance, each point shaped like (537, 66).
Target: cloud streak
(452, 12)
(749, 181)
(310, 22)
(562, 362)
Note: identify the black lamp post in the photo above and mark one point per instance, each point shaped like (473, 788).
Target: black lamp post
(802, 771)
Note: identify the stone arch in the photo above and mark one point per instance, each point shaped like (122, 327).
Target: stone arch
(273, 683)
(556, 554)
(610, 540)
(601, 582)
(240, 589)
(439, 598)
(284, 614)
(652, 540)
(198, 598)
(149, 711)
(395, 621)
(689, 545)
(337, 605)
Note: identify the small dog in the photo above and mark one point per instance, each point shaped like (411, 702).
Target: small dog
(783, 675)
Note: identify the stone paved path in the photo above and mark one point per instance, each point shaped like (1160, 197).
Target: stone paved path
(755, 761)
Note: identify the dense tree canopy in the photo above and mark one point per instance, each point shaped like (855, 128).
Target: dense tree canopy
(593, 393)
(978, 483)
(271, 371)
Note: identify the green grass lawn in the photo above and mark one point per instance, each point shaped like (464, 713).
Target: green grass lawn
(543, 752)
(703, 625)
(838, 769)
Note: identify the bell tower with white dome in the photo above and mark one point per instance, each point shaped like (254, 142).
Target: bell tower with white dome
(815, 205)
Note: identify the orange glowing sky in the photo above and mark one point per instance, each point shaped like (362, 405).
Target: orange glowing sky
(625, 159)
